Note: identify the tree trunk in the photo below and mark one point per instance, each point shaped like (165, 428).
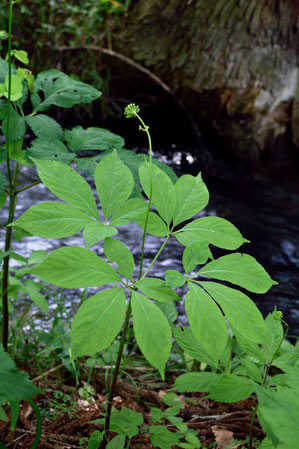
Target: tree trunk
(233, 63)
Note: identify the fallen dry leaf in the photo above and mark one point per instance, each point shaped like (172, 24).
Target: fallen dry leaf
(222, 435)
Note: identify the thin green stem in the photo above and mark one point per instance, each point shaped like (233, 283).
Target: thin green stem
(156, 257)
(7, 246)
(38, 432)
(9, 94)
(145, 128)
(115, 374)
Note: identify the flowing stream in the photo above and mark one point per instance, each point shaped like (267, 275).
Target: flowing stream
(267, 216)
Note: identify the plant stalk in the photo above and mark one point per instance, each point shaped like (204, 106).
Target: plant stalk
(5, 312)
(115, 374)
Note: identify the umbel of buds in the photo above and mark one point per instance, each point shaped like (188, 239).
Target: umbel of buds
(131, 110)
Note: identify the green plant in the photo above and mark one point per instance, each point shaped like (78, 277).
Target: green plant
(74, 267)
(25, 99)
(62, 404)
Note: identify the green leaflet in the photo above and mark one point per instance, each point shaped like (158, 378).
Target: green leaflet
(95, 439)
(278, 413)
(163, 196)
(206, 321)
(14, 385)
(114, 183)
(186, 340)
(157, 289)
(241, 312)
(17, 126)
(117, 442)
(162, 438)
(195, 382)
(98, 321)
(130, 210)
(252, 370)
(46, 149)
(239, 269)
(174, 278)
(124, 421)
(44, 126)
(169, 310)
(75, 267)
(53, 220)
(67, 185)
(2, 181)
(61, 90)
(191, 196)
(152, 331)
(79, 139)
(116, 251)
(250, 348)
(31, 289)
(231, 388)
(214, 230)
(273, 339)
(196, 254)
(95, 231)
(155, 225)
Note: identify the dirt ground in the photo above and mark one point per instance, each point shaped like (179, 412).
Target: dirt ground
(224, 423)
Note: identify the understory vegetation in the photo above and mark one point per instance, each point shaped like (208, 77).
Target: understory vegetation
(121, 373)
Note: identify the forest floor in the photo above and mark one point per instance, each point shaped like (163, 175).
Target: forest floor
(66, 418)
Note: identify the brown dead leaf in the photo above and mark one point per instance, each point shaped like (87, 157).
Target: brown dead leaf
(222, 436)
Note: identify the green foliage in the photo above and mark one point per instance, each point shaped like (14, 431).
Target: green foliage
(98, 322)
(14, 385)
(60, 90)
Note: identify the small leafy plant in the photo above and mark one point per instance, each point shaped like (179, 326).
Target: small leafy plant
(169, 206)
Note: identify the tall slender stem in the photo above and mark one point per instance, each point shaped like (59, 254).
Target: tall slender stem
(145, 128)
(5, 312)
(115, 374)
(156, 257)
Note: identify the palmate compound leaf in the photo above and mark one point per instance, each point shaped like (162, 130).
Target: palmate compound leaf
(67, 185)
(14, 384)
(53, 220)
(95, 231)
(186, 340)
(240, 311)
(75, 267)
(116, 251)
(157, 289)
(195, 382)
(206, 321)
(98, 321)
(191, 196)
(44, 126)
(214, 230)
(231, 388)
(152, 331)
(239, 269)
(79, 139)
(163, 195)
(278, 413)
(61, 90)
(114, 183)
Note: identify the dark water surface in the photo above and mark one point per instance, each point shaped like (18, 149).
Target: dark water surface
(265, 215)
